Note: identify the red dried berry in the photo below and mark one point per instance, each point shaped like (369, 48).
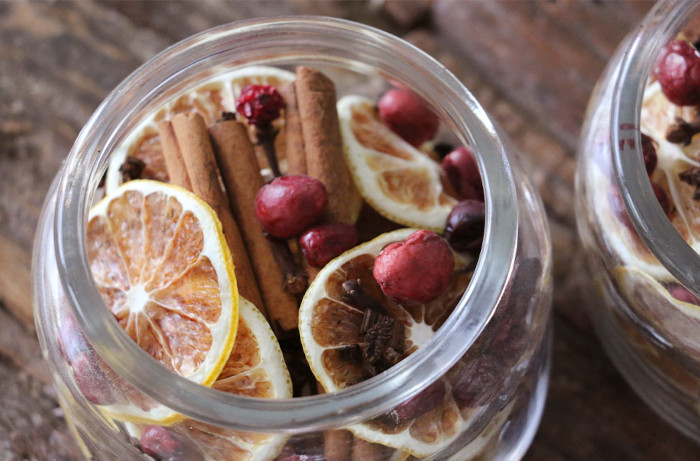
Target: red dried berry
(428, 399)
(260, 104)
(407, 115)
(415, 271)
(91, 380)
(322, 243)
(681, 293)
(70, 339)
(649, 153)
(464, 230)
(662, 197)
(678, 72)
(289, 205)
(463, 174)
(164, 445)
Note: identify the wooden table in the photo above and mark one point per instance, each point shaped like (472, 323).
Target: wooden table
(531, 64)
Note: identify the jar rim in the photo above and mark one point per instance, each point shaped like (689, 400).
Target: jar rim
(85, 164)
(660, 25)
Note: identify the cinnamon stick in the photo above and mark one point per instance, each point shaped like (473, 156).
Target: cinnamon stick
(194, 145)
(239, 167)
(296, 155)
(363, 450)
(174, 163)
(337, 444)
(323, 143)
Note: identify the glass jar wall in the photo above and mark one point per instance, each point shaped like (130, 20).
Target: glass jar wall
(489, 357)
(638, 221)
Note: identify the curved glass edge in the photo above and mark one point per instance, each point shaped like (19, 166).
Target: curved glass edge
(359, 402)
(646, 214)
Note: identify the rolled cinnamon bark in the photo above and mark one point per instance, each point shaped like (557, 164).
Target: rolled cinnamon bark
(363, 450)
(324, 145)
(239, 167)
(193, 142)
(296, 155)
(338, 444)
(174, 163)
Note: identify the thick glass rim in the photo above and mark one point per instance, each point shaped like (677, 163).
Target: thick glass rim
(661, 24)
(87, 160)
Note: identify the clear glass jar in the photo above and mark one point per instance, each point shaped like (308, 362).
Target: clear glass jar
(645, 273)
(497, 335)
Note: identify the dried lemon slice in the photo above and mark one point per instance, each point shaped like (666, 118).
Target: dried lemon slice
(678, 320)
(331, 332)
(209, 99)
(399, 181)
(256, 368)
(160, 261)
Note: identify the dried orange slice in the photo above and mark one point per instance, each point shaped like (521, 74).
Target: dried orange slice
(160, 261)
(256, 368)
(209, 99)
(679, 321)
(398, 180)
(331, 331)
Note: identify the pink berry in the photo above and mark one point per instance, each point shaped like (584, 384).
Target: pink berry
(71, 341)
(465, 226)
(322, 243)
(164, 445)
(260, 104)
(289, 205)
(662, 197)
(428, 399)
(463, 173)
(681, 293)
(678, 72)
(407, 115)
(415, 271)
(649, 153)
(91, 380)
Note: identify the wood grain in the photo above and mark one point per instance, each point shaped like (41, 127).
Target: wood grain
(531, 64)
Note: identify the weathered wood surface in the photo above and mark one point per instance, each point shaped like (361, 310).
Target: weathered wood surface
(531, 64)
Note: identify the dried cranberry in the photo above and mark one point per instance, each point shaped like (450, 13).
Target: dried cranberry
(260, 104)
(91, 380)
(681, 293)
(71, 341)
(678, 72)
(165, 445)
(463, 173)
(428, 399)
(415, 271)
(290, 204)
(662, 197)
(475, 383)
(407, 115)
(322, 243)
(465, 226)
(649, 153)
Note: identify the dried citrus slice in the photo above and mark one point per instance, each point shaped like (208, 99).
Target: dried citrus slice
(678, 320)
(331, 333)
(210, 99)
(256, 368)
(160, 261)
(399, 181)
(657, 114)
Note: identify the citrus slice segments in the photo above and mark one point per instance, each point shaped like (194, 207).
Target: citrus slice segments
(330, 329)
(679, 321)
(398, 180)
(256, 368)
(657, 114)
(160, 261)
(210, 99)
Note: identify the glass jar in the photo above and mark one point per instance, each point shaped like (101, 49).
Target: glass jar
(495, 343)
(646, 274)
